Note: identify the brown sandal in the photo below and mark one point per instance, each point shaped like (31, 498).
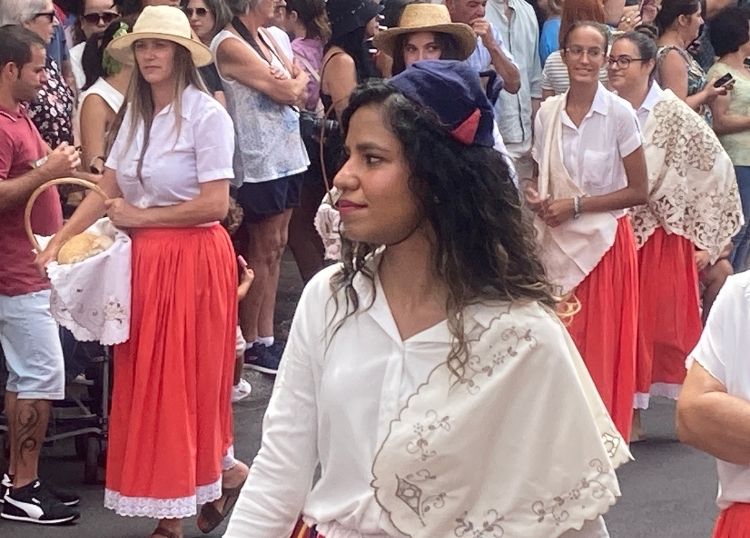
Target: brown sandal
(210, 517)
(166, 533)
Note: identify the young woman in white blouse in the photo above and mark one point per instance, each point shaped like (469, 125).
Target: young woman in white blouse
(413, 369)
(588, 148)
(167, 180)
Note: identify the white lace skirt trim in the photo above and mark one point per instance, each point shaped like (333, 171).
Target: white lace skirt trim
(177, 508)
(641, 400)
(666, 390)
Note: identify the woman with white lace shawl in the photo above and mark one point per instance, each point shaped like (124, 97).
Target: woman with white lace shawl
(428, 375)
(591, 168)
(691, 215)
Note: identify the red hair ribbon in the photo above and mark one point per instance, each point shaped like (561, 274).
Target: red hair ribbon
(467, 130)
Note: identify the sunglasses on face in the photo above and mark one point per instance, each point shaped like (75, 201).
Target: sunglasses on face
(50, 15)
(105, 17)
(198, 12)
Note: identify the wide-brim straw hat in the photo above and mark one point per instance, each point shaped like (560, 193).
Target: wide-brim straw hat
(160, 22)
(428, 18)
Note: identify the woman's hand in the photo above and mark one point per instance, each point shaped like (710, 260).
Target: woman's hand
(531, 195)
(123, 214)
(630, 19)
(711, 92)
(701, 259)
(556, 212)
(49, 254)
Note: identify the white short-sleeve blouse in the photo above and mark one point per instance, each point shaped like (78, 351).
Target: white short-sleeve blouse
(722, 351)
(180, 155)
(593, 151)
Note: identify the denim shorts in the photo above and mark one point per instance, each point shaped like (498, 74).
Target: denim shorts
(31, 344)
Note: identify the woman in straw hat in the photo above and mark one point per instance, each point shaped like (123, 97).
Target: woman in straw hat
(432, 347)
(167, 180)
(425, 32)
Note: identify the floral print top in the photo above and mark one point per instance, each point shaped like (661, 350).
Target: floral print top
(52, 111)
(696, 77)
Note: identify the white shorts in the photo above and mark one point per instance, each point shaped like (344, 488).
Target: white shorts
(31, 343)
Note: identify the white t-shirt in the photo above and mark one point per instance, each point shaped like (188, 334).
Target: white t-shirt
(176, 163)
(593, 151)
(722, 351)
(76, 63)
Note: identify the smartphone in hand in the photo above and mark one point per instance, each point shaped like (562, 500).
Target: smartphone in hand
(723, 81)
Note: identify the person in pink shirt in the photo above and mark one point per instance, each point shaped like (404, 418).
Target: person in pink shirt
(34, 358)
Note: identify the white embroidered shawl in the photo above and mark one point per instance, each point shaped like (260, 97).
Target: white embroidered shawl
(572, 250)
(692, 186)
(521, 447)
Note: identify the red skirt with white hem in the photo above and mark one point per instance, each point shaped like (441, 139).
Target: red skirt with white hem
(733, 522)
(605, 328)
(669, 321)
(171, 420)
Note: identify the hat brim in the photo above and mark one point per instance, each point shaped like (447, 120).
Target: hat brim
(121, 48)
(465, 37)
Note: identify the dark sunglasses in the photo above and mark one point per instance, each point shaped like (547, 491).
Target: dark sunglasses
(105, 17)
(199, 11)
(50, 16)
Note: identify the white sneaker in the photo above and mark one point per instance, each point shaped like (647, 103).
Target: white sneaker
(241, 391)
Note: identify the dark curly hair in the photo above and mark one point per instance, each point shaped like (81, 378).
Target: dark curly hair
(728, 30)
(485, 247)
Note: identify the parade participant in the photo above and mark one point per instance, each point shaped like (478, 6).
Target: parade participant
(731, 41)
(261, 84)
(679, 23)
(555, 80)
(693, 205)
(438, 327)
(491, 51)
(592, 167)
(208, 18)
(103, 95)
(34, 358)
(713, 410)
(167, 180)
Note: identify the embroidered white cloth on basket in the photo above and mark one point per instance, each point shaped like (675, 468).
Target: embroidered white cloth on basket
(91, 298)
(545, 460)
(692, 186)
(327, 223)
(572, 250)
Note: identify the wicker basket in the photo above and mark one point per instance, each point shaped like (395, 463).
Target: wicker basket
(34, 195)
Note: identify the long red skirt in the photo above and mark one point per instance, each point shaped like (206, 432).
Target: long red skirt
(669, 324)
(734, 522)
(171, 420)
(605, 328)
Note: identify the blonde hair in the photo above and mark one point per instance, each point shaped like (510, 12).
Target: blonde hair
(140, 101)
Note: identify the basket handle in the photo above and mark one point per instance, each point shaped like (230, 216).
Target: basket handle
(34, 195)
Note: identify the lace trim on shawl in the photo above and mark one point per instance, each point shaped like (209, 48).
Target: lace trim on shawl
(690, 193)
(177, 508)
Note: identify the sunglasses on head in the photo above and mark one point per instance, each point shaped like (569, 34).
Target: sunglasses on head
(198, 11)
(49, 14)
(105, 17)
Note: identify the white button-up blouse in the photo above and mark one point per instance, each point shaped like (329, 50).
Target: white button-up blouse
(180, 155)
(336, 393)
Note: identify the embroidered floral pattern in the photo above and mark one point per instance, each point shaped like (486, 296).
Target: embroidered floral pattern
(413, 495)
(422, 430)
(489, 527)
(692, 191)
(485, 366)
(557, 507)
